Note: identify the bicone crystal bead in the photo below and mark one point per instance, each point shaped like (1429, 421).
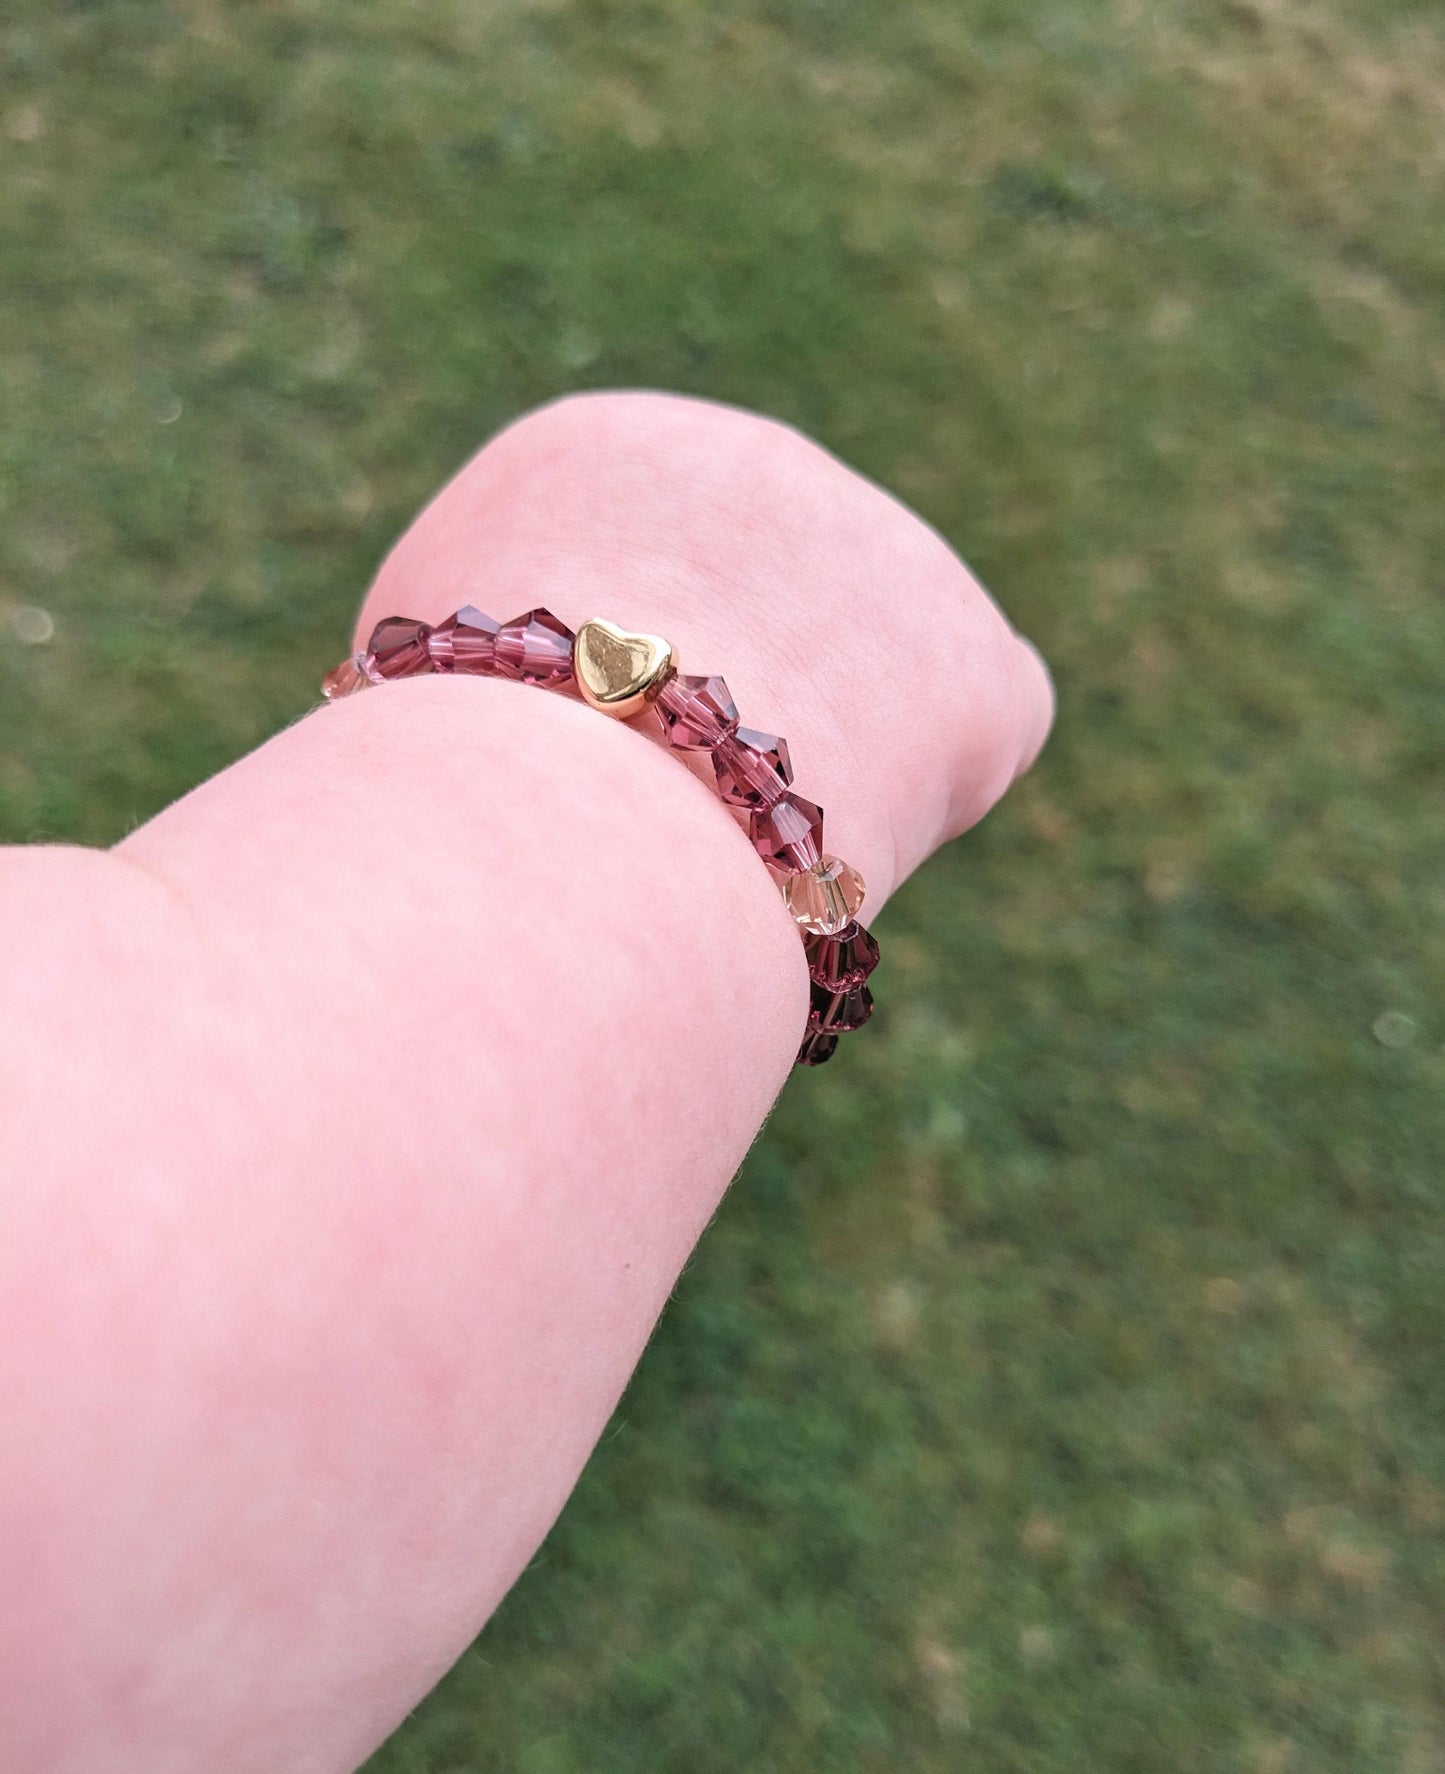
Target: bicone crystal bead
(839, 1011)
(818, 1045)
(752, 768)
(697, 713)
(824, 898)
(845, 959)
(789, 834)
(344, 679)
(535, 648)
(465, 642)
(397, 649)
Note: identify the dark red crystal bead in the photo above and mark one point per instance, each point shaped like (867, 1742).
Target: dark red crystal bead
(397, 649)
(818, 1045)
(465, 642)
(537, 648)
(839, 1011)
(697, 713)
(846, 959)
(789, 834)
(752, 768)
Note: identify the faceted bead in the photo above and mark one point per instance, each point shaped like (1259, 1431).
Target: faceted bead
(752, 768)
(789, 834)
(537, 648)
(465, 642)
(397, 649)
(697, 713)
(344, 679)
(817, 1046)
(842, 960)
(837, 1011)
(825, 897)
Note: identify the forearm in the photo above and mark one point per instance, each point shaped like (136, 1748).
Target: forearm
(477, 1068)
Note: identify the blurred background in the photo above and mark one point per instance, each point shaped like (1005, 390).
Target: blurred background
(1061, 1385)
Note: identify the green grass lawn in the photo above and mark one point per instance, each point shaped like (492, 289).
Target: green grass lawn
(1061, 1389)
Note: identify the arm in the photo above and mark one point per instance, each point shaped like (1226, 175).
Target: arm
(362, 1108)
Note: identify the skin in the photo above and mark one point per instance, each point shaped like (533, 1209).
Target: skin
(358, 1113)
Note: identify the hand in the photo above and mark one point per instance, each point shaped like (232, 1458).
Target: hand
(836, 616)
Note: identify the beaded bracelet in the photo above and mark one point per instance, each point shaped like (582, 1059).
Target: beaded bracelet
(625, 675)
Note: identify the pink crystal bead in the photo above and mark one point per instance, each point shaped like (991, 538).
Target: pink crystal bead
(536, 648)
(845, 959)
(824, 898)
(465, 642)
(397, 649)
(697, 713)
(789, 834)
(836, 1012)
(752, 768)
(818, 1045)
(344, 679)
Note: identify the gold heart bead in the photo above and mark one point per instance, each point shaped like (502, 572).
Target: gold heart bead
(616, 671)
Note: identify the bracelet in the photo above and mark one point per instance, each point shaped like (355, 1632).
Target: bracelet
(626, 675)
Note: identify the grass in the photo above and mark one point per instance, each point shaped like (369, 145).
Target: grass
(1061, 1386)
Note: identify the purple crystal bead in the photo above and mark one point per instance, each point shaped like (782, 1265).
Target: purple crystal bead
(465, 642)
(789, 834)
(836, 1012)
(752, 768)
(837, 962)
(818, 1045)
(697, 713)
(536, 648)
(397, 649)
